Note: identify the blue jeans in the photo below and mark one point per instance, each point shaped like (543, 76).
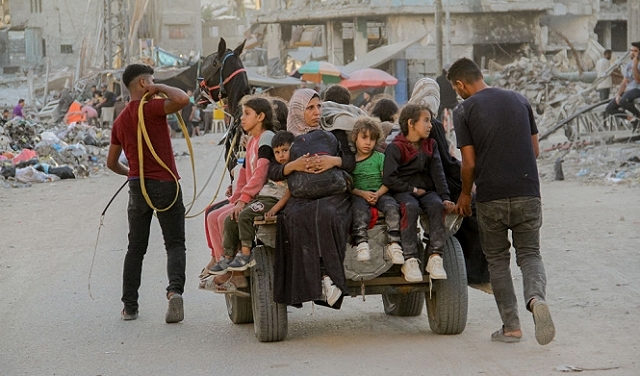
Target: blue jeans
(171, 221)
(523, 216)
(361, 212)
(410, 209)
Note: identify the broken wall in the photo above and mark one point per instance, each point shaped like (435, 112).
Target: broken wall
(180, 26)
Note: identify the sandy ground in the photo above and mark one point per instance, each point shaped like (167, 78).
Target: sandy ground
(52, 325)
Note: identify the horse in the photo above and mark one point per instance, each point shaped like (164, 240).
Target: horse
(224, 77)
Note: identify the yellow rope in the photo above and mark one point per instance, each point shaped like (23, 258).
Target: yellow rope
(142, 133)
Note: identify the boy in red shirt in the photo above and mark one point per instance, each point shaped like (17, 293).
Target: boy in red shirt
(160, 183)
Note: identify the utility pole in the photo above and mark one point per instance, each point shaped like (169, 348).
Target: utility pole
(114, 33)
(633, 26)
(438, 21)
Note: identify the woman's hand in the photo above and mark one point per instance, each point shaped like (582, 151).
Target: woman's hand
(299, 164)
(237, 209)
(320, 163)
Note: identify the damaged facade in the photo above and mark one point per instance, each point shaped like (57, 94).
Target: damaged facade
(97, 33)
(499, 30)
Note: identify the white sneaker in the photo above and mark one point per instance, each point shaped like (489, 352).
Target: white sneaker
(394, 252)
(435, 268)
(330, 291)
(362, 252)
(411, 270)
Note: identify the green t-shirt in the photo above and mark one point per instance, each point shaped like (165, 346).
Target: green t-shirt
(367, 175)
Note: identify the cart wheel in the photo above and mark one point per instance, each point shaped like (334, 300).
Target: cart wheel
(239, 309)
(270, 318)
(447, 308)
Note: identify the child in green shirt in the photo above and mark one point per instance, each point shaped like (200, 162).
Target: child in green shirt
(369, 192)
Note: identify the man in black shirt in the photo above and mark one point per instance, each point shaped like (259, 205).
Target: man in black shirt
(498, 139)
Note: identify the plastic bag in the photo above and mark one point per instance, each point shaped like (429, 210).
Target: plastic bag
(30, 175)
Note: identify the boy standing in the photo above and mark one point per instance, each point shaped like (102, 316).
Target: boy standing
(413, 171)
(161, 185)
(370, 192)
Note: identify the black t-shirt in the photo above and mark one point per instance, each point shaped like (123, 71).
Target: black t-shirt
(499, 124)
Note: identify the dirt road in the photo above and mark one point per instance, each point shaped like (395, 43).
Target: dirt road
(52, 326)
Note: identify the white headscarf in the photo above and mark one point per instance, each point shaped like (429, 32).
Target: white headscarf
(297, 104)
(426, 92)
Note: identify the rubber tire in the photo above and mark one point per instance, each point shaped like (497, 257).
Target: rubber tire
(403, 304)
(447, 308)
(239, 309)
(270, 318)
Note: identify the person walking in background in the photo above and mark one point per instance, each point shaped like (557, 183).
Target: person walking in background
(164, 192)
(17, 110)
(602, 66)
(498, 138)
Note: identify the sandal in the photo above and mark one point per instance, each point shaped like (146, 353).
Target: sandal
(231, 286)
(545, 330)
(499, 336)
(204, 273)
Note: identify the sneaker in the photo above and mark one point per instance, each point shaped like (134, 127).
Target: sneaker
(411, 270)
(175, 311)
(362, 252)
(330, 291)
(394, 252)
(220, 267)
(241, 262)
(435, 268)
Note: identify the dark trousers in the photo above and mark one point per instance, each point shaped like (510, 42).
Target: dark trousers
(171, 221)
(626, 103)
(410, 209)
(361, 212)
(242, 232)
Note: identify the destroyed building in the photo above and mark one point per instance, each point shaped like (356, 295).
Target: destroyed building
(96, 33)
(348, 32)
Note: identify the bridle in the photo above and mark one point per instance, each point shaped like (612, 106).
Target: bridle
(223, 81)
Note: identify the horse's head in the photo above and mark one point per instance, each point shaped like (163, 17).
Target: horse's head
(219, 68)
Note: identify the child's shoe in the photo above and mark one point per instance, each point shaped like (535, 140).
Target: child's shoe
(435, 268)
(330, 291)
(241, 262)
(411, 270)
(394, 252)
(362, 252)
(220, 267)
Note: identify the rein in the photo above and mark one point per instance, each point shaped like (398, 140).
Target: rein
(223, 82)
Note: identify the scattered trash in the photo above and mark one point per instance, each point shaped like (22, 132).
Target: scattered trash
(567, 368)
(583, 172)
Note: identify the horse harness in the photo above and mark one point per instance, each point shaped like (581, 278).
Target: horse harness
(223, 81)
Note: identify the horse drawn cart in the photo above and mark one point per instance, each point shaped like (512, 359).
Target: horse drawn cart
(446, 300)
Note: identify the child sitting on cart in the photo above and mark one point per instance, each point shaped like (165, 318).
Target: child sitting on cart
(241, 232)
(414, 174)
(369, 192)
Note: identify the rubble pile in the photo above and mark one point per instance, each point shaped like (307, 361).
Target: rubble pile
(32, 152)
(551, 96)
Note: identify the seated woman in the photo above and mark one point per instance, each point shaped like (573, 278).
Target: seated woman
(313, 227)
